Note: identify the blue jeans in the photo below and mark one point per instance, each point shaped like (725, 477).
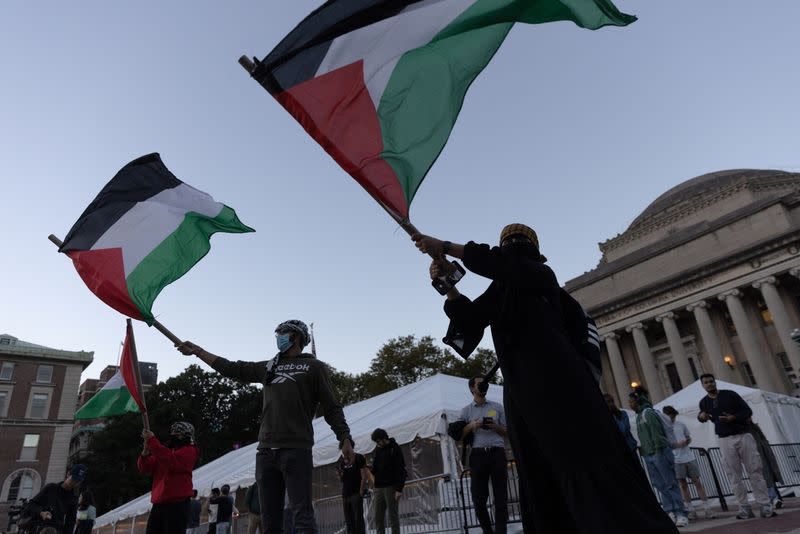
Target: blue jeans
(661, 468)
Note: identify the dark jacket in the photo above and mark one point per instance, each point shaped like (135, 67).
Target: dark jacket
(292, 392)
(251, 500)
(389, 466)
(730, 402)
(60, 502)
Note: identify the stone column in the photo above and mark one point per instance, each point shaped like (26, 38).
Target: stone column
(618, 372)
(676, 348)
(783, 324)
(758, 361)
(647, 362)
(710, 340)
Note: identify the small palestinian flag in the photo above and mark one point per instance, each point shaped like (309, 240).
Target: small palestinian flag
(120, 394)
(379, 83)
(142, 232)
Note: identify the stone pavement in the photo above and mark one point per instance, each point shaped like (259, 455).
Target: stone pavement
(786, 522)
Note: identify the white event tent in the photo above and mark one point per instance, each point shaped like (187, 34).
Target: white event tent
(419, 409)
(778, 415)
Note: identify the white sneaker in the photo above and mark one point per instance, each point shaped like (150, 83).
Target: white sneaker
(672, 516)
(682, 521)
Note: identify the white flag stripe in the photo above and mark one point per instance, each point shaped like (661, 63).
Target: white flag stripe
(147, 224)
(386, 40)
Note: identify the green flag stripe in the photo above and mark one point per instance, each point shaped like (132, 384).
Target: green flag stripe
(107, 403)
(178, 253)
(426, 90)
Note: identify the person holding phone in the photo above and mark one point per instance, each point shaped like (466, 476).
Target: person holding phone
(486, 420)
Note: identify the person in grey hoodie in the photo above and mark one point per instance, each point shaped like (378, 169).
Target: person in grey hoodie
(294, 383)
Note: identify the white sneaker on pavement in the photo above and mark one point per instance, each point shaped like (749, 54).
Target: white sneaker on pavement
(682, 521)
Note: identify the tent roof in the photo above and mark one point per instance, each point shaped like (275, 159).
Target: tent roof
(688, 399)
(413, 410)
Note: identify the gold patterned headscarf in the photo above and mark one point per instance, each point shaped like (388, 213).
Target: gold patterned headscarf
(523, 230)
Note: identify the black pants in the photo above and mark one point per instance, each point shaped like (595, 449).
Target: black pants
(282, 471)
(485, 464)
(168, 518)
(354, 513)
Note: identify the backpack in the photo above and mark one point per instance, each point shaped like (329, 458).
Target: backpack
(669, 432)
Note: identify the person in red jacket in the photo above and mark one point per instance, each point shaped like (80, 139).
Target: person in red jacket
(171, 467)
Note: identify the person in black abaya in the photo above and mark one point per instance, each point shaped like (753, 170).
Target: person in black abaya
(576, 474)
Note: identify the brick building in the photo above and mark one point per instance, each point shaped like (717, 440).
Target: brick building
(38, 390)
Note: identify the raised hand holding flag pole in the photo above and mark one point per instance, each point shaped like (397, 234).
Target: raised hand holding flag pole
(144, 230)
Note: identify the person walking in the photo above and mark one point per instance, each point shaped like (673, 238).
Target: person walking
(655, 447)
(294, 384)
(389, 470)
(730, 413)
(486, 420)
(540, 364)
(352, 471)
(686, 466)
(171, 466)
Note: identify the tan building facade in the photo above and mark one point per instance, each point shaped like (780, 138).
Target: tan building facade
(38, 390)
(706, 279)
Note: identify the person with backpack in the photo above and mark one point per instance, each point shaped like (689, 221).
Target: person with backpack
(656, 441)
(563, 455)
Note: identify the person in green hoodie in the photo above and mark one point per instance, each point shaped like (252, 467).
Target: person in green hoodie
(295, 383)
(656, 451)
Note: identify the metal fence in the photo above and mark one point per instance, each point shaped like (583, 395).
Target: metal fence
(442, 504)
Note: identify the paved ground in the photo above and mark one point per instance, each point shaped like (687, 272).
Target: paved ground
(787, 521)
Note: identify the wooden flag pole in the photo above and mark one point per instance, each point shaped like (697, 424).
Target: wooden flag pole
(158, 326)
(138, 375)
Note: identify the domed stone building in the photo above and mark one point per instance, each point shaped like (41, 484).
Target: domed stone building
(704, 280)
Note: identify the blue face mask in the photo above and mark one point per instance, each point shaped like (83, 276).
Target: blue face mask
(284, 342)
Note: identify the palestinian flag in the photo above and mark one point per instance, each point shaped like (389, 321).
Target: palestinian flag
(379, 83)
(142, 232)
(120, 394)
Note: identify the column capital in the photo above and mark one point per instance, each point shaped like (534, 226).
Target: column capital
(665, 316)
(634, 326)
(727, 294)
(770, 280)
(611, 335)
(698, 304)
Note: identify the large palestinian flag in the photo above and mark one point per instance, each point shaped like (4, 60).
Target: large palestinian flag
(142, 232)
(121, 393)
(379, 83)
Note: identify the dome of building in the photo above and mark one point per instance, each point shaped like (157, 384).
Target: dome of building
(705, 184)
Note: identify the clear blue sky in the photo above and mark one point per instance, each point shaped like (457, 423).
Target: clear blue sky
(570, 131)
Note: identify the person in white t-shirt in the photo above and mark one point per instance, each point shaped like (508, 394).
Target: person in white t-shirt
(686, 465)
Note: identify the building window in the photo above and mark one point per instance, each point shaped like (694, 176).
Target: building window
(729, 326)
(764, 313)
(4, 396)
(21, 486)
(44, 375)
(39, 405)
(5, 341)
(748, 372)
(7, 371)
(694, 369)
(783, 361)
(30, 444)
(674, 378)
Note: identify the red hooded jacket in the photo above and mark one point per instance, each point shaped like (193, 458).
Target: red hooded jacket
(171, 470)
